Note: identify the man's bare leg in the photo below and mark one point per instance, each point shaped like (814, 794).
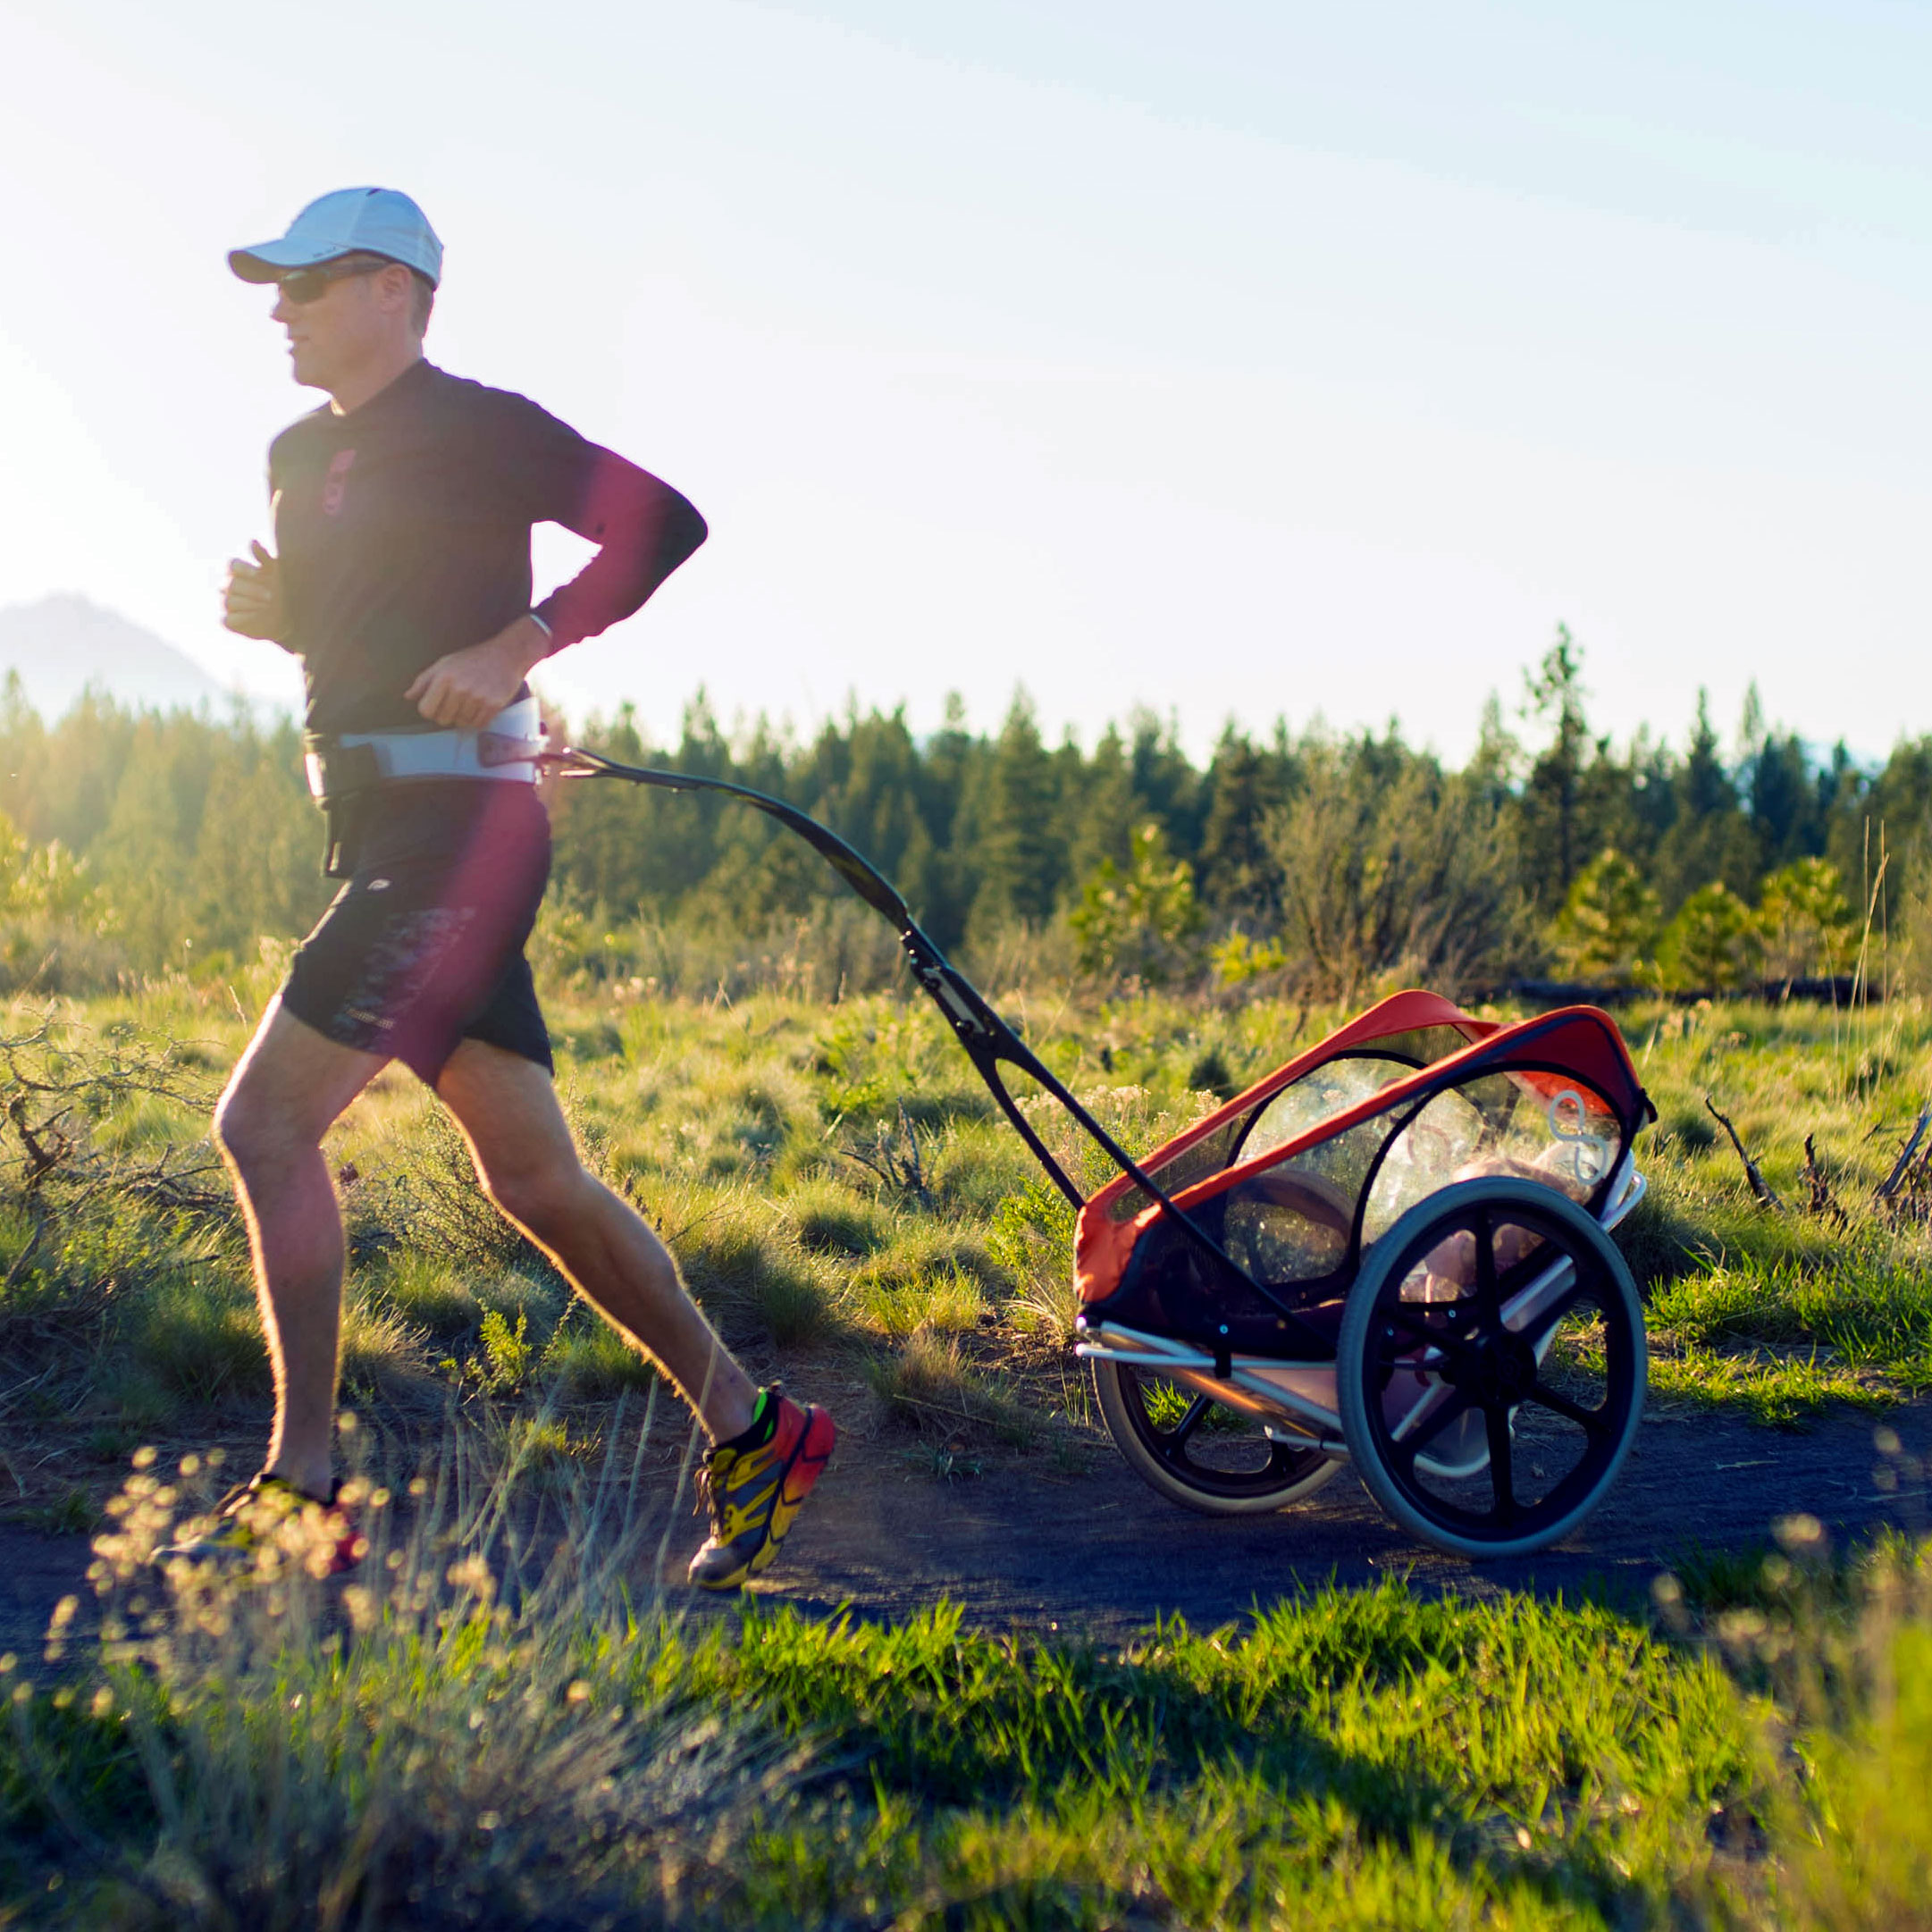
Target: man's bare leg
(283, 1097)
(528, 1163)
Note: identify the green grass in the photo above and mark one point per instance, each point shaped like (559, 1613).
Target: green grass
(1367, 1754)
(543, 1742)
(1780, 1340)
(526, 1742)
(838, 1194)
(1779, 1315)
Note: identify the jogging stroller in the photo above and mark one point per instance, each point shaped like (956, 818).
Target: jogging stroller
(1393, 1251)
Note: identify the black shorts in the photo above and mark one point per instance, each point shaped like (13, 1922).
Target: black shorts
(423, 947)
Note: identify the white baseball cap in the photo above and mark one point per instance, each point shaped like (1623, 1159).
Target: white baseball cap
(352, 221)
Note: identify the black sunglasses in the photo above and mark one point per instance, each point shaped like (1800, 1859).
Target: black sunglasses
(306, 285)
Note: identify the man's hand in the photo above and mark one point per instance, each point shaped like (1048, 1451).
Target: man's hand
(251, 599)
(464, 691)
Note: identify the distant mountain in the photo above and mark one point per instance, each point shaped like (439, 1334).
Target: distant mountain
(63, 644)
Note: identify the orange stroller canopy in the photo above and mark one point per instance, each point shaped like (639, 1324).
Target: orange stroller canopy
(1366, 1087)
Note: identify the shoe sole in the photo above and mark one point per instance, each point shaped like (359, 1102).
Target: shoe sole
(238, 1559)
(816, 1442)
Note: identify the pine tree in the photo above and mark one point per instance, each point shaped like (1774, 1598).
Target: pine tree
(1552, 793)
(1710, 840)
(1022, 843)
(1246, 785)
(1608, 921)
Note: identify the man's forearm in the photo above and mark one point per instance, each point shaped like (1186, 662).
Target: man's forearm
(524, 644)
(643, 529)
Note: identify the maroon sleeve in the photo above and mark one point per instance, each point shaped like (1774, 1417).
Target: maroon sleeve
(643, 527)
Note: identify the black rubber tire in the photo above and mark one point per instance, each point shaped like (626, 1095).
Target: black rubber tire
(1161, 1459)
(1488, 1358)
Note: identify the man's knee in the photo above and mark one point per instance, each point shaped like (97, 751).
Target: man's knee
(290, 1086)
(234, 1126)
(254, 1135)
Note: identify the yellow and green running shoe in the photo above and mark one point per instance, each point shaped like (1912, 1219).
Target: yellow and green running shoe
(269, 1516)
(755, 1484)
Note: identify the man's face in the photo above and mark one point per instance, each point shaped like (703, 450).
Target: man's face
(345, 327)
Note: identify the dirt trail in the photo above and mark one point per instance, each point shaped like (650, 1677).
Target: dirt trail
(1102, 1555)
(1094, 1552)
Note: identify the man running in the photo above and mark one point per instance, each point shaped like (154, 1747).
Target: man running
(400, 577)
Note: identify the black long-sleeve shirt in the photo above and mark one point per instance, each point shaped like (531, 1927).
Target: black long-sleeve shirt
(403, 529)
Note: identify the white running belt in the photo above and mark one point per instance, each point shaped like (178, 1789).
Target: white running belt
(505, 748)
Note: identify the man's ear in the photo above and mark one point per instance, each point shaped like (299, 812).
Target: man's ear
(392, 286)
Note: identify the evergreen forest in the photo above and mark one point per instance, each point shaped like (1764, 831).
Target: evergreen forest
(133, 843)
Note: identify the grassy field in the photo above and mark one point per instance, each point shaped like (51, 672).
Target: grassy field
(844, 1201)
(483, 1735)
(523, 1743)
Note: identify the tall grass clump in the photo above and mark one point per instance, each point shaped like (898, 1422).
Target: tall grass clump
(1836, 1651)
(465, 1734)
(500, 1721)
(1861, 1854)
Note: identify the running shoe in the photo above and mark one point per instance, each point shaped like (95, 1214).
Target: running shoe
(754, 1485)
(323, 1536)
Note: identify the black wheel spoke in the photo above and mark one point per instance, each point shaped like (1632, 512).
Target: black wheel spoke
(1458, 1405)
(1489, 1304)
(1421, 1319)
(1184, 1428)
(1502, 1473)
(1433, 1346)
(1545, 1319)
(1593, 1422)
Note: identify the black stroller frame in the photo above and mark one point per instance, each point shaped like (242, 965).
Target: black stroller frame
(1447, 1353)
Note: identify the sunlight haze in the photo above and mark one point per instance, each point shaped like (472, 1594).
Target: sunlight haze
(1238, 360)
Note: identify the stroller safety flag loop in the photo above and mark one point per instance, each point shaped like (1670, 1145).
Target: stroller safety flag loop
(1392, 1250)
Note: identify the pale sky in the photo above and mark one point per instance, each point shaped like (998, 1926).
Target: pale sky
(1231, 359)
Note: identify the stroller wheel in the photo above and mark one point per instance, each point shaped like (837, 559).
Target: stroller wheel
(1196, 1451)
(1489, 1370)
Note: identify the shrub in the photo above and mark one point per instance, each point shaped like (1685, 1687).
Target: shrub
(1608, 921)
(1238, 958)
(1713, 943)
(507, 1354)
(1144, 920)
(1391, 868)
(1804, 920)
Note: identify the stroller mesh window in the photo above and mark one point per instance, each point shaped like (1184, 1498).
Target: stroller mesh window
(1546, 1128)
(1284, 1228)
(1317, 1096)
(1293, 1223)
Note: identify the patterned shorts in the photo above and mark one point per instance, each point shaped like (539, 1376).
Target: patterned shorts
(424, 946)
